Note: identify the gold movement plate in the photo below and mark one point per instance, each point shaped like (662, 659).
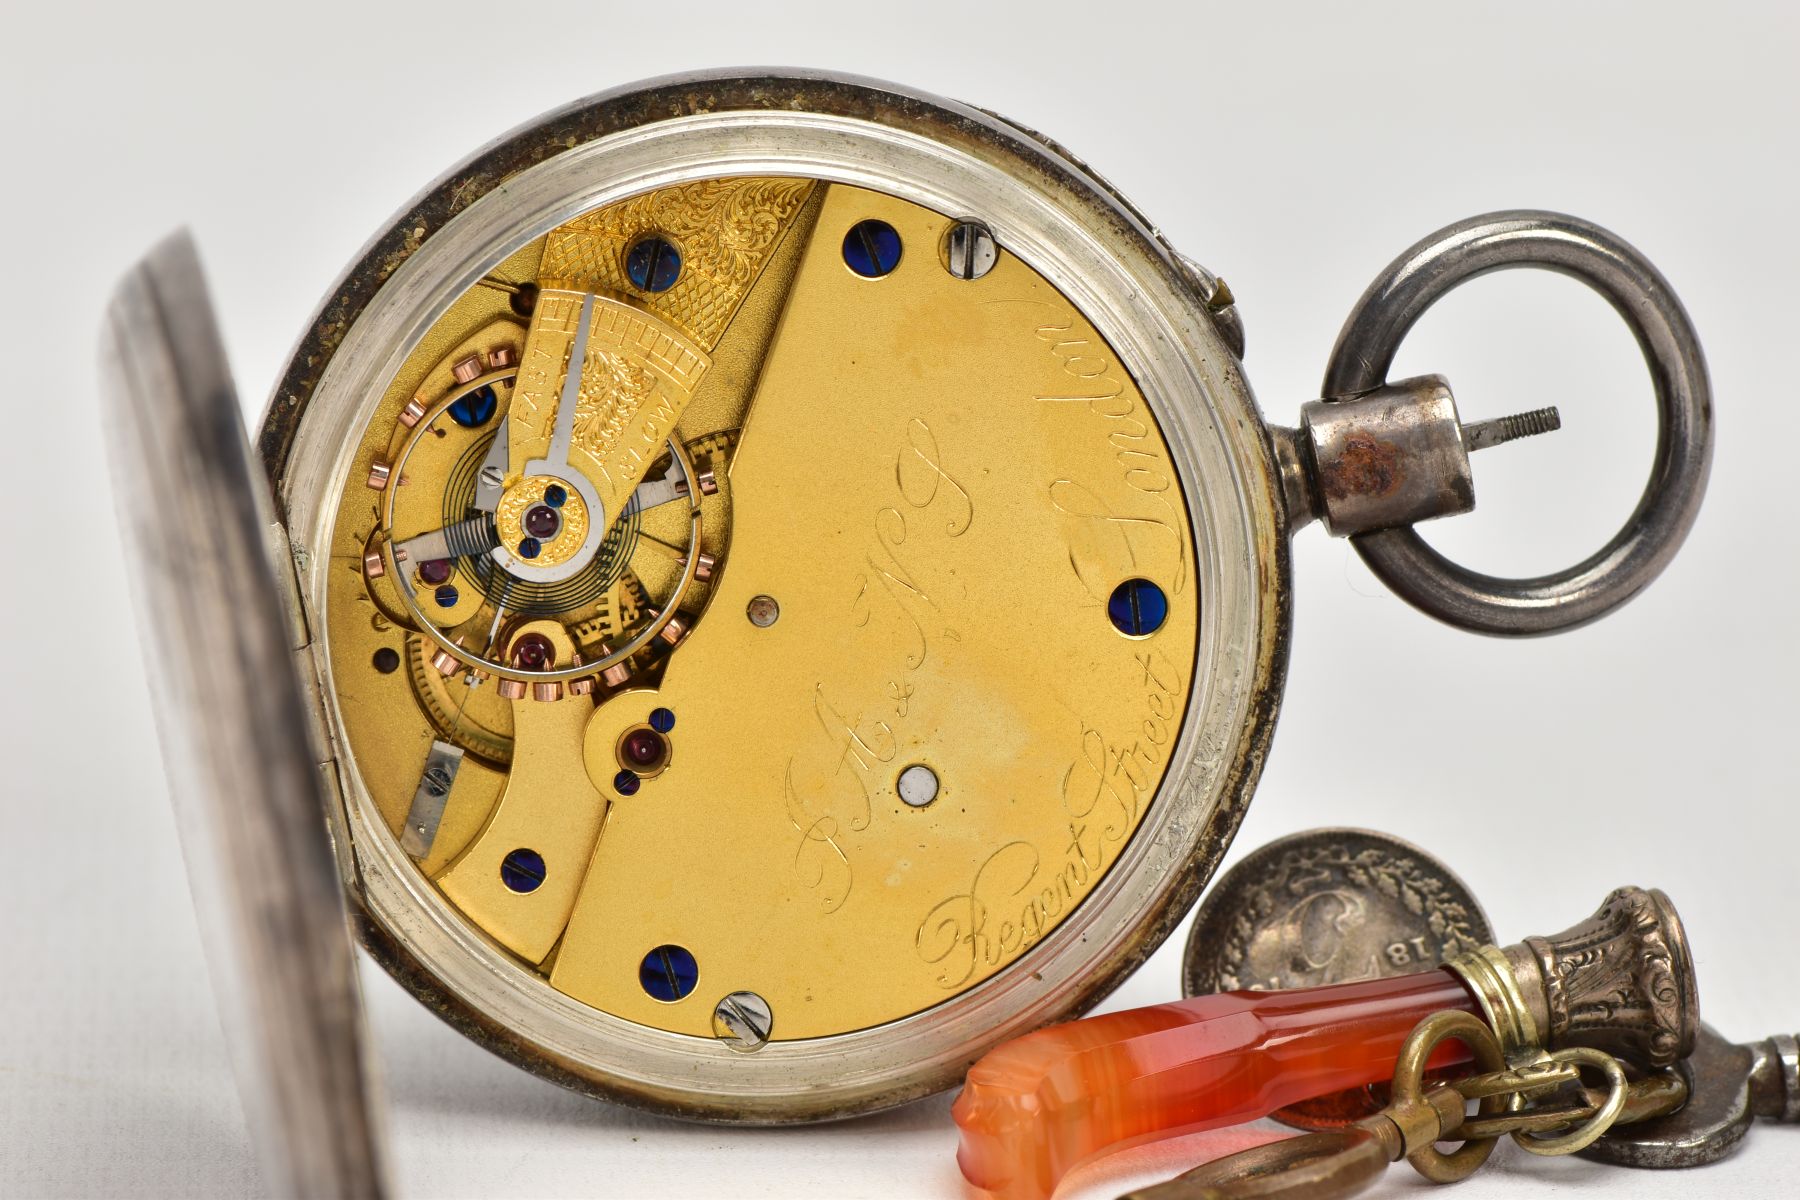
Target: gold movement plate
(845, 526)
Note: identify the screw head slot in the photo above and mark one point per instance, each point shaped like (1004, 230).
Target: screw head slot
(743, 1021)
(669, 973)
(522, 871)
(1137, 608)
(653, 264)
(969, 250)
(872, 248)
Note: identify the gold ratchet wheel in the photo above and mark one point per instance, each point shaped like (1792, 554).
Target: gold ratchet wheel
(788, 587)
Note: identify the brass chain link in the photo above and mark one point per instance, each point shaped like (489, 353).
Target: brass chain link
(1327, 1166)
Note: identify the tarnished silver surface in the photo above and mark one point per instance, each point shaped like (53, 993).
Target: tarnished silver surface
(1329, 906)
(1776, 1077)
(1622, 980)
(1497, 431)
(1671, 500)
(1391, 457)
(1729, 1086)
(243, 768)
(1395, 456)
(1221, 304)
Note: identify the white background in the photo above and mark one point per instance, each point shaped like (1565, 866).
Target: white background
(1294, 150)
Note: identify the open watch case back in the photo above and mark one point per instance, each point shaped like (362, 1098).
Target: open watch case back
(786, 586)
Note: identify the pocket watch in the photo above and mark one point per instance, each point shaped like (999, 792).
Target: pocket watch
(755, 588)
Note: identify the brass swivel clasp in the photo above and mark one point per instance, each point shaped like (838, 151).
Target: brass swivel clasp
(1542, 1104)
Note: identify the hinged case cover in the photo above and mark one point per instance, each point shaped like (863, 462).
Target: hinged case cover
(244, 775)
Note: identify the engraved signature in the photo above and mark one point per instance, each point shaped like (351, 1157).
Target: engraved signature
(1014, 899)
(824, 805)
(922, 481)
(1105, 538)
(829, 795)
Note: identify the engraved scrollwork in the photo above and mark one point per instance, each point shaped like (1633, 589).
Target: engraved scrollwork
(509, 520)
(613, 390)
(1621, 978)
(725, 230)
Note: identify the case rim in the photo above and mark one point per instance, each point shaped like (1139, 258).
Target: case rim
(300, 440)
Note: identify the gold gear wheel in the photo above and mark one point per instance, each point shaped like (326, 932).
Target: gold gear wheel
(476, 719)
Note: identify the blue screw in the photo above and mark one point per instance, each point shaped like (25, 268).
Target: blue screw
(1137, 607)
(556, 495)
(446, 596)
(653, 265)
(522, 871)
(669, 973)
(475, 409)
(626, 783)
(529, 547)
(872, 248)
(662, 720)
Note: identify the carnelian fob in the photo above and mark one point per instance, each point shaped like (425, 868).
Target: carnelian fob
(1041, 1105)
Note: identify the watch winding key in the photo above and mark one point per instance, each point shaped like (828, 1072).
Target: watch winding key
(786, 584)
